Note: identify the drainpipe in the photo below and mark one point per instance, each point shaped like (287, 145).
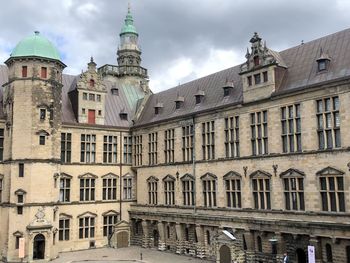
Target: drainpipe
(120, 173)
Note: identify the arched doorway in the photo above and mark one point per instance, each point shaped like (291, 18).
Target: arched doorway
(122, 239)
(301, 256)
(155, 238)
(39, 247)
(225, 254)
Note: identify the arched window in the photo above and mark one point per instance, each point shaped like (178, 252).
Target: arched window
(92, 83)
(259, 244)
(329, 253)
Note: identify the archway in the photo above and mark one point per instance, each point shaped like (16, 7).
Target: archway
(155, 238)
(225, 254)
(39, 247)
(122, 239)
(301, 256)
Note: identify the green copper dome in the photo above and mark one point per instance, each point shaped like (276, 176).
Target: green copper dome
(129, 27)
(35, 45)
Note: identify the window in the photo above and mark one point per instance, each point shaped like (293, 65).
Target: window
(42, 139)
(169, 145)
(169, 190)
(65, 189)
(256, 61)
(261, 190)
(232, 136)
(87, 189)
(86, 227)
(98, 98)
(178, 104)
(66, 147)
(127, 149)
(153, 148)
(92, 83)
(43, 72)
(91, 96)
(83, 111)
(152, 190)
(42, 114)
(291, 128)
(115, 91)
(156, 110)
(24, 71)
(99, 112)
(208, 237)
(265, 76)
(20, 199)
(63, 229)
(91, 116)
(187, 143)
(322, 65)
(249, 79)
(110, 149)
(109, 189)
(1, 184)
(21, 170)
(293, 183)
(199, 98)
(138, 150)
(332, 192)
(85, 96)
(233, 190)
(227, 91)
(127, 188)
(1, 144)
(259, 243)
(328, 123)
(259, 135)
(188, 190)
(19, 210)
(209, 190)
(17, 242)
(108, 225)
(88, 148)
(347, 250)
(257, 79)
(208, 140)
(329, 253)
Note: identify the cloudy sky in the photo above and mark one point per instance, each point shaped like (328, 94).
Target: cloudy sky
(181, 39)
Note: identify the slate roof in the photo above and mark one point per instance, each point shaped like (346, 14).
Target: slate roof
(301, 72)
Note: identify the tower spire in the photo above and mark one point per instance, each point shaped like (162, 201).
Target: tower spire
(128, 27)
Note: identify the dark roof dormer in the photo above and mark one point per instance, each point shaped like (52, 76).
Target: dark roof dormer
(179, 101)
(323, 61)
(123, 115)
(158, 107)
(228, 88)
(199, 96)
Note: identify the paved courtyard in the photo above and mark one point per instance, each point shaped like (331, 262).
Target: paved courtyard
(123, 255)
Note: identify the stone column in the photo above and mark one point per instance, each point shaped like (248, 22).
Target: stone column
(179, 241)
(200, 242)
(145, 229)
(161, 243)
(250, 241)
(314, 241)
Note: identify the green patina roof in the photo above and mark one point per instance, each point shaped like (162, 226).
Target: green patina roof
(128, 27)
(35, 45)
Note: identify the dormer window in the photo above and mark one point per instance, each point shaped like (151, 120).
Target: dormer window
(115, 91)
(92, 83)
(323, 61)
(322, 65)
(177, 105)
(157, 108)
(256, 61)
(199, 96)
(123, 116)
(179, 102)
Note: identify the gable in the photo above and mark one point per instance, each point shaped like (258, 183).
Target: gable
(329, 171)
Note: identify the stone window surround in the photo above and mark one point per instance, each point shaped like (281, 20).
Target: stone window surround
(209, 188)
(296, 177)
(86, 225)
(109, 187)
(233, 190)
(169, 184)
(188, 190)
(152, 190)
(262, 191)
(87, 186)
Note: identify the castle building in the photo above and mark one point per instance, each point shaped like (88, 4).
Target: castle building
(243, 165)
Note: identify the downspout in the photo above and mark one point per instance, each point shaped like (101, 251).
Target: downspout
(194, 164)
(120, 173)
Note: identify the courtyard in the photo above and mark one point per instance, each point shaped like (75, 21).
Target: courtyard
(125, 255)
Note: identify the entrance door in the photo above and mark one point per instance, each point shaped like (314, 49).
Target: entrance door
(39, 247)
(155, 238)
(122, 239)
(91, 116)
(301, 256)
(225, 254)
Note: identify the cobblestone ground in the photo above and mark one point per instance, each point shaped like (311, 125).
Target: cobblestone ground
(123, 255)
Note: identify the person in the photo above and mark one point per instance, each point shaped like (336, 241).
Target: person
(285, 258)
